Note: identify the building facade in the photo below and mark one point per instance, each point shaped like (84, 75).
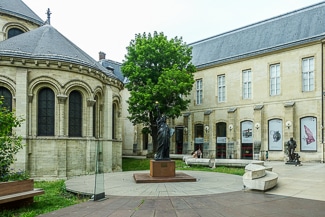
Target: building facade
(255, 87)
(71, 104)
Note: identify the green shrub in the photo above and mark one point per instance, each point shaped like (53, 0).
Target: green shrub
(10, 143)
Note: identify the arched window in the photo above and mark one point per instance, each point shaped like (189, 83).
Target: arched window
(13, 32)
(46, 104)
(6, 98)
(114, 110)
(75, 114)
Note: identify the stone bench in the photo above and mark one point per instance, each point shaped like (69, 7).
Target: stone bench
(197, 161)
(189, 160)
(19, 199)
(259, 177)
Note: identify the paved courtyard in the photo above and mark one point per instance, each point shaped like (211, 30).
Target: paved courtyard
(300, 192)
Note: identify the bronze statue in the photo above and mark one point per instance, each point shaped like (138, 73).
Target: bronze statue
(163, 137)
(291, 149)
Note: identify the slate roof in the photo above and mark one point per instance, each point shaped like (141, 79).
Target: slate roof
(290, 29)
(46, 43)
(115, 66)
(19, 9)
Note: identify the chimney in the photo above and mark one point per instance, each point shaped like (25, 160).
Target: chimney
(102, 55)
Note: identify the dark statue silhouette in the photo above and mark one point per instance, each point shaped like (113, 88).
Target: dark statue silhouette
(163, 137)
(293, 157)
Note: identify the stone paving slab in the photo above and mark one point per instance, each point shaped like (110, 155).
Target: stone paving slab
(300, 192)
(239, 203)
(123, 184)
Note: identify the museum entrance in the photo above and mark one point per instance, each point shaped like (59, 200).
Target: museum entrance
(247, 140)
(198, 140)
(221, 150)
(179, 140)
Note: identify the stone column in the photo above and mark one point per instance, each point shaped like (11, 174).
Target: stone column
(22, 100)
(258, 132)
(233, 150)
(186, 145)
(208, 147)
(22, 104)
(289, 124)
(90, 106)
(30, 112)
(61, 99)
(107, 129)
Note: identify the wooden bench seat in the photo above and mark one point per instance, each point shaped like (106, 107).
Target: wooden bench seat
(16, 200)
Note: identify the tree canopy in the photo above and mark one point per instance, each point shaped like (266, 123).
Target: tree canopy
(158, 70)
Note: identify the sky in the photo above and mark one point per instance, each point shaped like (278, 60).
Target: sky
(109, 26)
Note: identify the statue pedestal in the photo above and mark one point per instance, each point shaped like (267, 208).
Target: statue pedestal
(162, 168)
(162, 171)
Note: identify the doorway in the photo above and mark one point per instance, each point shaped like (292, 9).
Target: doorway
(247, 140)
(179, 140)
(221, 150)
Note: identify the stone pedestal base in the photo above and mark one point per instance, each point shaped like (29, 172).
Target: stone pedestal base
(162, 171)
(163, 168)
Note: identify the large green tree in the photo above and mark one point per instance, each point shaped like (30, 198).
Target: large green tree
(159, 70)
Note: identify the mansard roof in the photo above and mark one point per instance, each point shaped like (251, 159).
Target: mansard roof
(284, 31)
(46, 43)
(19, 9)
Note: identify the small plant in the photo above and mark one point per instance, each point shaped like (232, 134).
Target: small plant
(10, 143)
(15, 176)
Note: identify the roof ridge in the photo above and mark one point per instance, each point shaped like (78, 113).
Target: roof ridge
(300, 10)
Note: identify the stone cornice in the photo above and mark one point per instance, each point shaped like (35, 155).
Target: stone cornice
(61, 66)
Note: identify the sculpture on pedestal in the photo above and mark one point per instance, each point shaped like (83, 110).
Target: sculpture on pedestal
(293, 157)
(163, 137)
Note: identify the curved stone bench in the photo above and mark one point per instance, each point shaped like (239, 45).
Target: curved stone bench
(259, 177)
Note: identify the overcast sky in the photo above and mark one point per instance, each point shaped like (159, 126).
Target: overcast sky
(110, 25)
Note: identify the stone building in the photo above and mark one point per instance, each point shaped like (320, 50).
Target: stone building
(70, 102)
(255, 87)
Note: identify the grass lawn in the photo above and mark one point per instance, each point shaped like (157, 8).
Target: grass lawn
(56, 197)
(130, 164)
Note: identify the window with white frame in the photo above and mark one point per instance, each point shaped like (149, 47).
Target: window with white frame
(275, 81)
(247, 84)
(199, 90)
(221, 88)
(308, 67)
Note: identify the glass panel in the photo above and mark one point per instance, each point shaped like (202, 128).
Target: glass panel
(99, 191)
